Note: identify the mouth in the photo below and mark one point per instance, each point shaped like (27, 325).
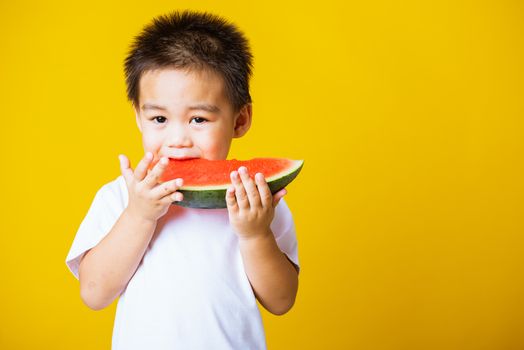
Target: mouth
(174, 156)
(182, 158)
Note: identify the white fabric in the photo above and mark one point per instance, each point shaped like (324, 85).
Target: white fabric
(190, 290)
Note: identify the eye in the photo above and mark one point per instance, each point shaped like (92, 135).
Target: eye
(159, 119)
(199, 120)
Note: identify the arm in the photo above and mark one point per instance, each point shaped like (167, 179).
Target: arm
(251, 206)
(106, 269)
(273, 277)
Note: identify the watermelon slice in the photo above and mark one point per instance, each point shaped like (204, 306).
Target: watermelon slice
(206, 181)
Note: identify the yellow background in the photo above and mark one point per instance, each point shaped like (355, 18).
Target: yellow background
(409, 209)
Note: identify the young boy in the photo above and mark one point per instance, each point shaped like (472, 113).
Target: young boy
(187, 278)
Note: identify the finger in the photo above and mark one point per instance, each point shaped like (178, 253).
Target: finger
(172, 197)
(125, 169)
(251, 189)
(166, 188)
(278, 196)
(265, 193)
(152, 179)
(231, 201)
(141, 168)
(240, 193)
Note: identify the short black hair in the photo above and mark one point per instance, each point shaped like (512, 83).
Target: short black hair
(192, 40)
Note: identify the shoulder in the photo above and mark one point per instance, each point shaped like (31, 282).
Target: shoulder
(283, 219)
(282, 208)
(113, 192)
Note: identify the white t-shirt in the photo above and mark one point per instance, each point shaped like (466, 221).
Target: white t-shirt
(190, 290)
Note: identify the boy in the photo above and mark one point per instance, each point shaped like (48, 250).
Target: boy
(187, 278)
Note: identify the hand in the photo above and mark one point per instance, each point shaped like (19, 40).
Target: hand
(250, 204)
(147, 198)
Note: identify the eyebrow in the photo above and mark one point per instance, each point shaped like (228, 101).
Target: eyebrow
(199, 106)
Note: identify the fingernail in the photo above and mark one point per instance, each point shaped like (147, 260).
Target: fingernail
(149, 155)
(179, 182)
(163, 160)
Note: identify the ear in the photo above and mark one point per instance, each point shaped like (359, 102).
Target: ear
(138, 121)
(243, 120)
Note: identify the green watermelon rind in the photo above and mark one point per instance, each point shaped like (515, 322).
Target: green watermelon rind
(214, 197)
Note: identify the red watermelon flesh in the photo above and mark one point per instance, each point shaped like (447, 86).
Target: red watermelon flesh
(203, 172)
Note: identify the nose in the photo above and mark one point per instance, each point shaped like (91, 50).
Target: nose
(178, 137)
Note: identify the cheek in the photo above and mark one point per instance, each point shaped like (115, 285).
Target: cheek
(216, 142)
(205, 141)
(150, 142)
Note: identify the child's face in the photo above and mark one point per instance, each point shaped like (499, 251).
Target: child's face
(186, 114)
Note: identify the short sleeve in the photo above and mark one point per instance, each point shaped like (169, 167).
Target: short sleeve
(283, 228)
(107, 206)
